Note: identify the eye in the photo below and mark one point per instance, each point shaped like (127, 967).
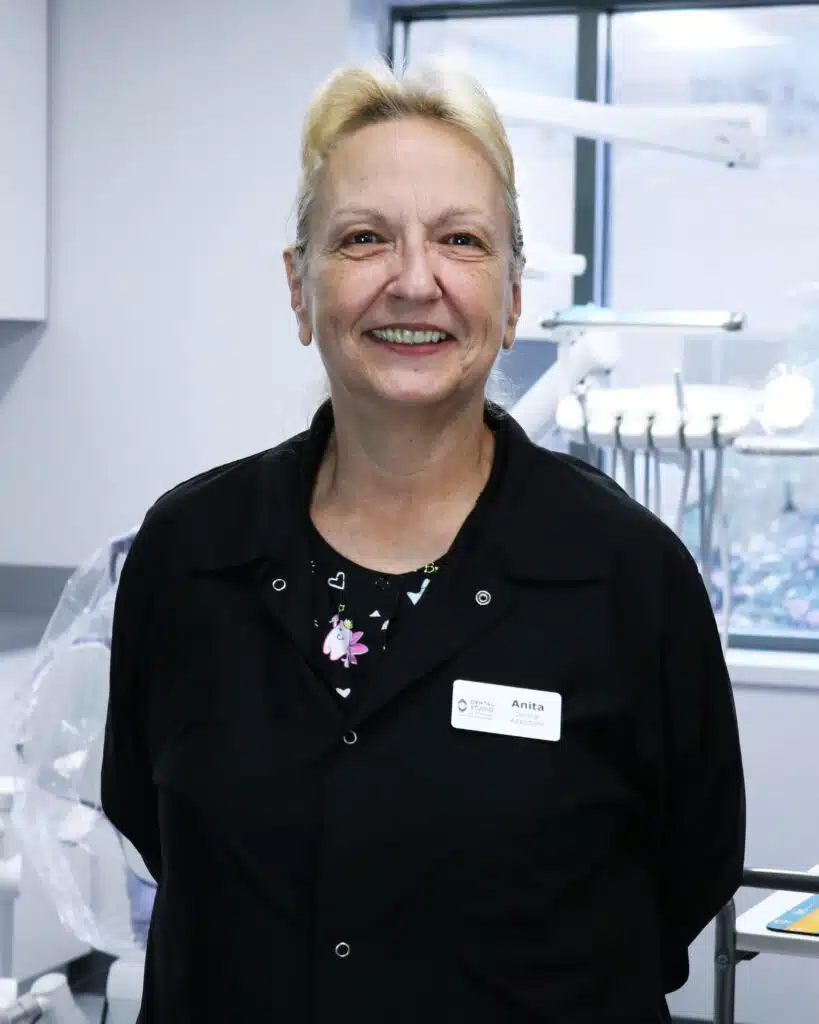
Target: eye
(362, 238)
(462, 239)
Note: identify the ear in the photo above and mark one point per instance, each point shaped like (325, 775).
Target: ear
(297, 298)
(515, 308)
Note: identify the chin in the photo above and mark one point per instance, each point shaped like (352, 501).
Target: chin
(411, 399)
(409, 389)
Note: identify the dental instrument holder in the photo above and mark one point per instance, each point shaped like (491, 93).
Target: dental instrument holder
(581, 392)
(588, 451)
(568, 324)
(712, 503)
(652, 456)
(710, 496)
(581, 317)
(565, 337)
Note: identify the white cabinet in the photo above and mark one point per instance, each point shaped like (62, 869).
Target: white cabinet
(23, 159)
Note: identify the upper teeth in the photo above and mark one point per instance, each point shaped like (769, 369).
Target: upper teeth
(402, 337)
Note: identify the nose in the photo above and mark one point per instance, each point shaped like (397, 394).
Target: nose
(415, 279)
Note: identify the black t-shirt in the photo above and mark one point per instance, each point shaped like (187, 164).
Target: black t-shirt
(357, 611)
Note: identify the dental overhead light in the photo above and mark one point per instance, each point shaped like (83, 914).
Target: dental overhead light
(787, 401)
(733, 135)
(730, 134)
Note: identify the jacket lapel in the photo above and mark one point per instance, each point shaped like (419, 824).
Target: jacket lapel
(260, 540)
(286, 591)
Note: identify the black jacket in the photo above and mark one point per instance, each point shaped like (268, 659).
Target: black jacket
(377, 865)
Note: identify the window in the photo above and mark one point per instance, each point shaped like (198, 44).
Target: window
(687, 233)
(530, 54)
(674, 231)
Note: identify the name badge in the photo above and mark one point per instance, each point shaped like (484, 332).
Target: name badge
(506, 710)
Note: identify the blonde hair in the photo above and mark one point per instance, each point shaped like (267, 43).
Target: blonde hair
(363, 95)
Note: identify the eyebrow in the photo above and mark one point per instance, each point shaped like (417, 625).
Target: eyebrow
(348, 213)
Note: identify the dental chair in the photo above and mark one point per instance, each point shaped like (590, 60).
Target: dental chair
(100, 886)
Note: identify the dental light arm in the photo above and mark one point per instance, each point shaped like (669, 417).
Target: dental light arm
(589, 353)
(542, 261)
(733, 135)
(674, 320)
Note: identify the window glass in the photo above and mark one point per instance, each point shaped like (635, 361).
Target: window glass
(688, 233)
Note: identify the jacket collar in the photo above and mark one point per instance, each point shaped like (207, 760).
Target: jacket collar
(543, 523)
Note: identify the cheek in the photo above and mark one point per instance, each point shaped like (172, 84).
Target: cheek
(343, 295)
(483, 300)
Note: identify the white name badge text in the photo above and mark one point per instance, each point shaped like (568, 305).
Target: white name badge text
(506, 710)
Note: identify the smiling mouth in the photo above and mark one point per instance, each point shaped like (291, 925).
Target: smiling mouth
(402, 336)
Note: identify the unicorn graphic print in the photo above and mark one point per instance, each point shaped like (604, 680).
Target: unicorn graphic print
(343, 643)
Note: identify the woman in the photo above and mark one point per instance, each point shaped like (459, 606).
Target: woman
(409, 718)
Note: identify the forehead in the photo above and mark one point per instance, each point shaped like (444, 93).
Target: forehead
(413, 167)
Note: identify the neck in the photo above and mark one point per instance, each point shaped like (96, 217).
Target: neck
(397, 463)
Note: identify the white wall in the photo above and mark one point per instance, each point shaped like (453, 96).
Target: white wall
(170, 346)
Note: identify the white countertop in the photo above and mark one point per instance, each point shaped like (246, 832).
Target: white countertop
(753, 935)
(794, 669)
